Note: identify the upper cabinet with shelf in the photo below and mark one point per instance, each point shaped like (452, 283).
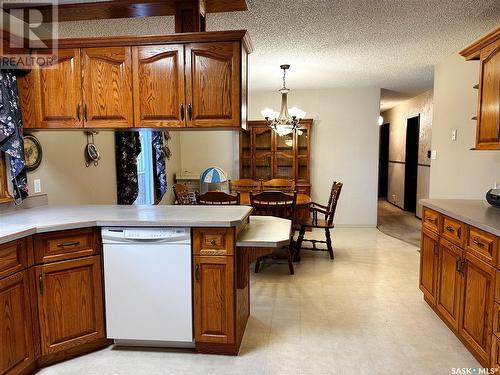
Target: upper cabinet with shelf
(487, 51)
(192, 80)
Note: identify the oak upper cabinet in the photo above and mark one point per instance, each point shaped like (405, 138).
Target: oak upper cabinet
(429, 265)
(488, 131)
(475, 329)
(213, 299)
(449, 284)
(487, 51)
(107, 87)
(70, 303)
(57, 96)
(16, 328)
(159, 88)
(213, 84)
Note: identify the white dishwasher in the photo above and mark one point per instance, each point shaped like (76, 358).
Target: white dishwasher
(147, 281)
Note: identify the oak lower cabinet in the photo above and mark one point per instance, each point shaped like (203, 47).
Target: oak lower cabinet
(213, 307)
(70, 303)
(449, 282)
(475, 322)
(429, 265)
(16, 328)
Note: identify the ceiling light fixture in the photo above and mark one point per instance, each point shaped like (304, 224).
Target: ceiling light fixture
(287, 120)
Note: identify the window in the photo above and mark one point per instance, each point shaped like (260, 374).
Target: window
(145, 170)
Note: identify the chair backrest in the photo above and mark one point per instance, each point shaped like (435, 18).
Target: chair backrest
(333, 200)
(244, 185)
(274, 203)
(182, 195)
(279, 184)
(218, 198)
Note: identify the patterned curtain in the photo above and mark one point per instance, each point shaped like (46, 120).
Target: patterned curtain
(11, 133)
(127, 148)
(161, 153)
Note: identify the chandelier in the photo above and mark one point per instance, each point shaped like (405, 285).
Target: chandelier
(287, 120)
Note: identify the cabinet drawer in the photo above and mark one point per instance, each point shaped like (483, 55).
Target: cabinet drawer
(431, 219)
(213, 241)
(15, 256)
(453, 231)
(482, 244)
(68, 244)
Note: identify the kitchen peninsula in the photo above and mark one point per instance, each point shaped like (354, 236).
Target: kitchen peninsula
(51, 270)
(459, 271)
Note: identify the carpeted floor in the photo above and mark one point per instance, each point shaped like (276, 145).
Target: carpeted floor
(398, 223)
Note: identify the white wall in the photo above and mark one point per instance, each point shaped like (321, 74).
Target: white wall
(344, 145)
(459, 172)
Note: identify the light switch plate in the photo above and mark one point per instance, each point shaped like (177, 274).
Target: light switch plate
(454, 135)
(37, 185)
(434, 154)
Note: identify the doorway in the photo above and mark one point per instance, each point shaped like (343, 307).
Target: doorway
(383, 161)
(411, 163)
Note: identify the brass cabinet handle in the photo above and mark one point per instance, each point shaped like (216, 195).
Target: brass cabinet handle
(85, 112)
(190, 111)
(477, 242)
(457, 265)
(182, 112)
(197, 272)
(212, 242)
(78, 112)
(40, 282)
(431, 220)
(68, 244)
(450, 229)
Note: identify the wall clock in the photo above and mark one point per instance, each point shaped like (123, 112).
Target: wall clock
(32, 152)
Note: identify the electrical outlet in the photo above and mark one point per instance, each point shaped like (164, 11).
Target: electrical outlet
(434, 154)
(37, 185)
(394, 198)
(454, 135)
(497, 185)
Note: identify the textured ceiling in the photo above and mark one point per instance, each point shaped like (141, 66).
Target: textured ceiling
(392, 44)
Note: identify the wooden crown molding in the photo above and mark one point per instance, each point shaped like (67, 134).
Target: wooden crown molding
(131, 9)
(472, 51)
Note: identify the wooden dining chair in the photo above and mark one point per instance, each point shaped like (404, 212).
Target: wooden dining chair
(218, 198)
(183, 196)
(279, 204)
(244, 185)
(313, 221)
(279, 184)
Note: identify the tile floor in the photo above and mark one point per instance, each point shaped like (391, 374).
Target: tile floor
(360, 314)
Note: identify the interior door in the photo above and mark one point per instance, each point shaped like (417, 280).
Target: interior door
(159, 85)
(16, 335)
(70, 303)
(488, 131)
(58, 92)
(449, 282)
(284, 166)
(213, 84)
(476, 306)
(107, 87)
(263, 153)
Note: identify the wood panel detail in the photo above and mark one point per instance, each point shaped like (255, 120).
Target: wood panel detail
(159, 97)
(14, 256)
(429, 264)
(68, 244)
(213, 241)
(107, 87)
(453, 231)
(70, 304)
(16, 335)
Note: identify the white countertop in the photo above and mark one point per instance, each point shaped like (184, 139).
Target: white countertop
(23, 222)
(265, 231)
(475, 212)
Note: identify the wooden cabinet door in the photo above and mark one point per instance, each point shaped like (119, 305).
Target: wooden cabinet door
(107, 87)
(284, 156)
(262, 147)
(449, 283)
(58, 92)
(159, 86)
(488, 130)
(477, 305)
(429, 264)
(70, 303)
(16, 329)
(213, 299)
(213, 84)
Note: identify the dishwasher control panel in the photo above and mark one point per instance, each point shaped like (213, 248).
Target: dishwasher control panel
(138, 234)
